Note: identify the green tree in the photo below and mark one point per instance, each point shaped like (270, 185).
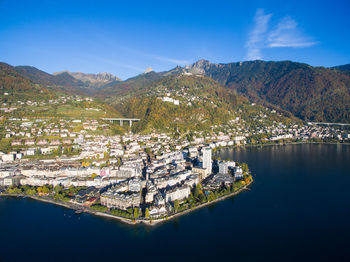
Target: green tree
(99, 208)
(58, 188)
(176, 205)
(30, 191)
(45, 190)
(136, 212)
(197, 190)
(244, 167)
(147, 213)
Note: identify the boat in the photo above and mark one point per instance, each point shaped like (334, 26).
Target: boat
(79, 211)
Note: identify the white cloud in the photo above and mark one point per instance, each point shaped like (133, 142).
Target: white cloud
(284, 34)
(256, 37)
(287, 34)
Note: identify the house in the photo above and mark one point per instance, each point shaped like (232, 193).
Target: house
(90, 201)
(42, 142)
(16, 142)
(29, 142)
(46, 150)
(157, 211)
(8, 157)
(19, 155)
(30, 152)
(238, 172)
(55, 142)
(67, 141)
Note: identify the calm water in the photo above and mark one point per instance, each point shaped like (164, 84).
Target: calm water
(298, 209)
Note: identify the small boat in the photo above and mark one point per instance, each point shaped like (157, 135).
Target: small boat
(79, 211)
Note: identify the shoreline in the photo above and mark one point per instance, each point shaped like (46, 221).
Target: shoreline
(68, 205)
(246, 187)
(154, 222)
(146, 222)
(282, 144)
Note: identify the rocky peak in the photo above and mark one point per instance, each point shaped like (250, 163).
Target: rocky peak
(94, 79)
(199, 67)
(149, 69)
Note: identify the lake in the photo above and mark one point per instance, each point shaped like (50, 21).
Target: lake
(298, 209)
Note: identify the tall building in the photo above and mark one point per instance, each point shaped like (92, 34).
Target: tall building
(207, 163)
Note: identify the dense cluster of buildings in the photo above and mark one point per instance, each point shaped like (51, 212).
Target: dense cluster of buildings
(134, 170)
(125, 176)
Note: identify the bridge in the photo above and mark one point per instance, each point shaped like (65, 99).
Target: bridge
(327, 124)
(121, 120)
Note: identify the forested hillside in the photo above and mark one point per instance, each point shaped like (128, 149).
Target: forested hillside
(15, 87)
(311, 93)
(183, 103)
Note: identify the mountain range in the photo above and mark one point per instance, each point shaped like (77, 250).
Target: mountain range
(309, 93)
(92, 80)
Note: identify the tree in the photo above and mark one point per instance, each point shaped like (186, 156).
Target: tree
(189, 137)
(147, 213)
(72, 190)
(244, 167)
(197, 190)
(99, 208)
(58, 188)
(30, 191)
(136, 212)
(202, 198)
(176, 205)
(45, 190)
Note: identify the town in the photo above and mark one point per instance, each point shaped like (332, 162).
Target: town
(134, 176)
(147, 173)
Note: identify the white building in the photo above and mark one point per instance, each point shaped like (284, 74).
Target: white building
(223, 167)
(178, 193)
(8, 158)
(207, 163)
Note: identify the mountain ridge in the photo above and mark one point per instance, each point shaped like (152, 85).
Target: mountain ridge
(310, 93)
(92, 80)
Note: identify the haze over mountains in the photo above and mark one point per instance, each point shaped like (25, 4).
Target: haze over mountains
(92, 80)
(309, 93)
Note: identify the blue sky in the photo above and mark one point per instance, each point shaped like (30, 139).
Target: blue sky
(126, 37)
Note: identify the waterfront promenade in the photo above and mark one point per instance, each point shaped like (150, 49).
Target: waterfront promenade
(149, 222)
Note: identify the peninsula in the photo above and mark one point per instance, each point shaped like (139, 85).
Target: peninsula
(148, 189)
